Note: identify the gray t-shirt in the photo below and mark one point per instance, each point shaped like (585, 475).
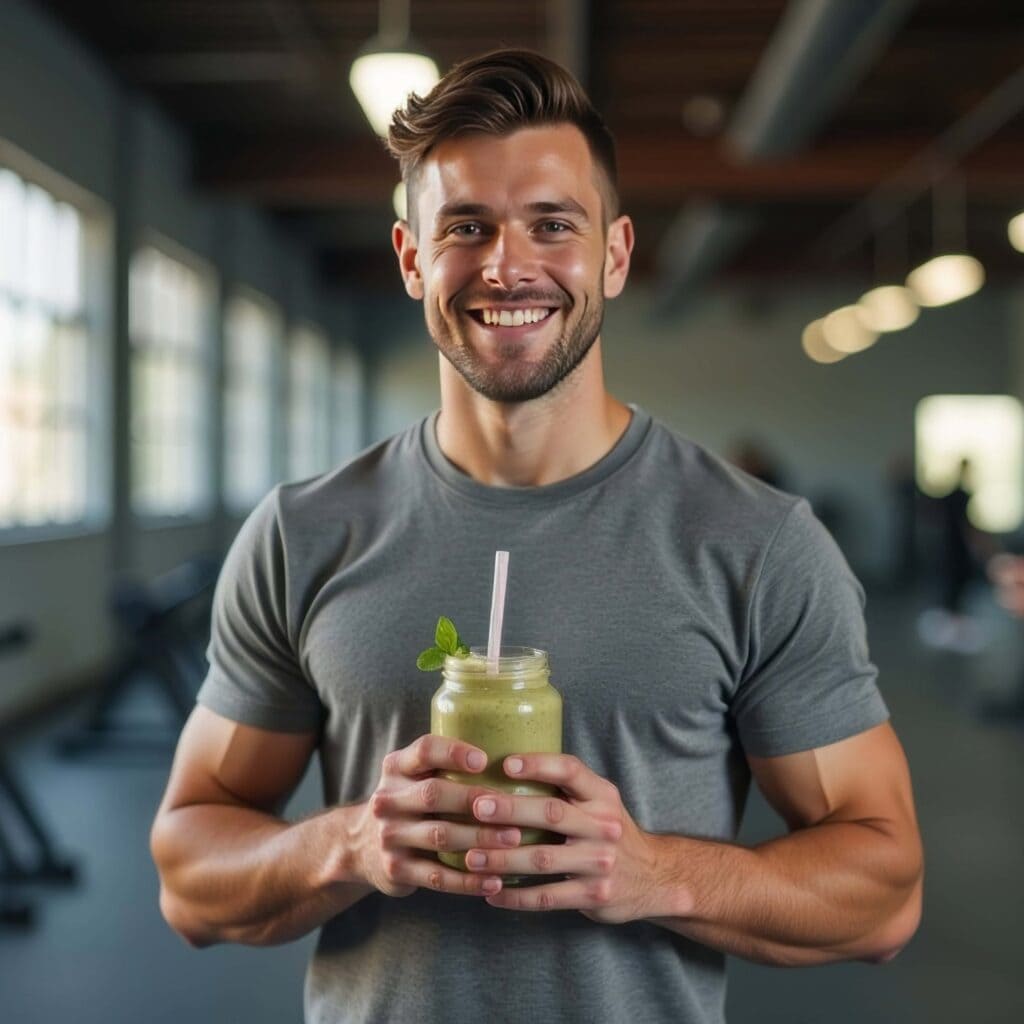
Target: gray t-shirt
(692, 615)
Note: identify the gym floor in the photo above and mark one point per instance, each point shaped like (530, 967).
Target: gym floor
(100, 952)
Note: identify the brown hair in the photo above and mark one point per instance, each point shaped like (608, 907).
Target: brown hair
(496, 94)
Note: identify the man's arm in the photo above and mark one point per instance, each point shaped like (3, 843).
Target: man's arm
(844, 884)
(231, 870)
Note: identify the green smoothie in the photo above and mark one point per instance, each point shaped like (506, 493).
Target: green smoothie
(515, 711)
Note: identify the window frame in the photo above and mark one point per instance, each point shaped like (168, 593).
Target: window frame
(277, 394)
(96, 220)
(294, 329)
(210, 286)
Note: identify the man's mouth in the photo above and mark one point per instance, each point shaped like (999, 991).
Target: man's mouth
(498, 316)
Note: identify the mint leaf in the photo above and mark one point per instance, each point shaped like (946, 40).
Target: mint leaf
(462, 651)
(446, 637)
(431, 660)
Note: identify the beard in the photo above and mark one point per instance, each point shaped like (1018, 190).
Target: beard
(512, 380)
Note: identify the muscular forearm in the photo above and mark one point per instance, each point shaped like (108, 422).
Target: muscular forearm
(231, 874)
(834, 891)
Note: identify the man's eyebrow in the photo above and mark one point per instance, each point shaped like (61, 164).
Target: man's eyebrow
(457, 208)
(565, 205)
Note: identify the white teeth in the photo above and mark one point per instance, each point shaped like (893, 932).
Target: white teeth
(513, 317)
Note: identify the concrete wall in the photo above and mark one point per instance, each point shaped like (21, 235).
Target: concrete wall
(732, 366)
(63, 111)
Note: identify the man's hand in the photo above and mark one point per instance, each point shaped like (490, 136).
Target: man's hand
(398, 824)
(609, 859)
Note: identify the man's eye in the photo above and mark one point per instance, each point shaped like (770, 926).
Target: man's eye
(554, 227)
(466, 230)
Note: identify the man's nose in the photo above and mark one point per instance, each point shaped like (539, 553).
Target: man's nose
(509, 260)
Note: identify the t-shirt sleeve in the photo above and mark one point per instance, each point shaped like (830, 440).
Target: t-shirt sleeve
(808, 680)
(254, 675)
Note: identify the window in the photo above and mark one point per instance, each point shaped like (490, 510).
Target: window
(309, 403)
(251, 343)
(988, 432)
(170, 381)
(347, 413)
(49, 408)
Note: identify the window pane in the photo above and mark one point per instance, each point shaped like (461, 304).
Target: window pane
(347, 409)
(12, 232)
(67, 276)
(170, 388)
(251, 333)
(309, 400)
(40, 244)
(46, 425)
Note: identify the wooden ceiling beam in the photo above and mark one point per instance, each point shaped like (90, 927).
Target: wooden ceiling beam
(653, 170)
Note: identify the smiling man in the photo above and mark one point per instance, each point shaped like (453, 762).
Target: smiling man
(703, 628)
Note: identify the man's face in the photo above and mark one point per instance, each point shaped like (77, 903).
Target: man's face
(512, 260)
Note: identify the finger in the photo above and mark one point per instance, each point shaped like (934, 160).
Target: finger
(449, 836)
(433, 753)
(567, 859)
(573, 894)
(567, 772)
(432, 874)
(550, 813)
(432, 795)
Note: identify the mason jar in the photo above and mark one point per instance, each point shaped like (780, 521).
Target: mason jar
(513, 711)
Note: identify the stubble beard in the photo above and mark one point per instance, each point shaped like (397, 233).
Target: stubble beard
(513, 381)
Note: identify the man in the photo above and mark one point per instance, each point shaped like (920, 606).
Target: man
(702, 627)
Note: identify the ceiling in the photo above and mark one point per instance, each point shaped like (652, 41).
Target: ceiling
(750, 132)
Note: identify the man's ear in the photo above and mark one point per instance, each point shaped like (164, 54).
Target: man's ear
(403, 238)
(618, 246)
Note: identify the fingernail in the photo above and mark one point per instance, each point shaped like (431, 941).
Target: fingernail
(476, 760)
(514, 765)
(476, 860)
(491, 885)
(509, 835)
(485, 808)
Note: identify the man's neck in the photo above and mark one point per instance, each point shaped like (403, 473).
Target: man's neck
(530, 444)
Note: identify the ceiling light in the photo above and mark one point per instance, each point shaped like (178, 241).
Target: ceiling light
(946, 279)
(816, 347)
(1015, 229)
(888, 308)
(845, 331)
(389, 68)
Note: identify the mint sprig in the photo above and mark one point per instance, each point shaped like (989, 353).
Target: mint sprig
(446, 641)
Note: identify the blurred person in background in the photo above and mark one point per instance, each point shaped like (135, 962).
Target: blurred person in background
(960, 553)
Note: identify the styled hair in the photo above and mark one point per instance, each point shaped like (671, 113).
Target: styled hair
(496, 94)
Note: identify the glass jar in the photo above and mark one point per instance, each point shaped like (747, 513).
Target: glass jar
(514, 711)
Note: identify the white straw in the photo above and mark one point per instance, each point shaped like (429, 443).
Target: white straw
(497, 611)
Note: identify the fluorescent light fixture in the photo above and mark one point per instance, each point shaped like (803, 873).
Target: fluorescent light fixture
(1015, 229)
(383, 78)
(888, 308)
(846, 332)
(946, 279)
(816, 347)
